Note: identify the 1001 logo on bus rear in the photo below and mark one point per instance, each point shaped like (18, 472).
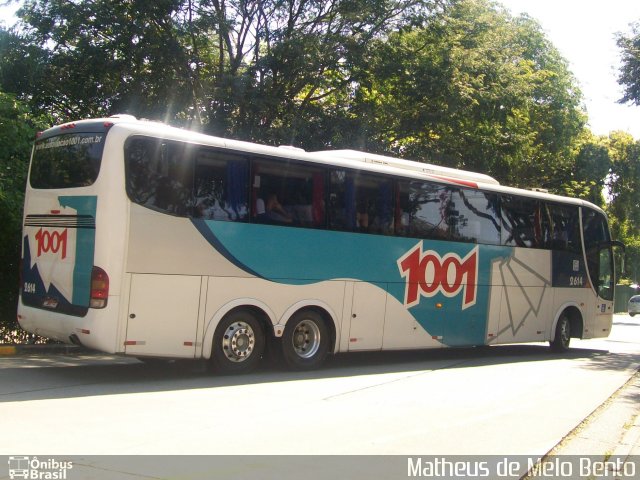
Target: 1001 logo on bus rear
(427, 274)
(52, 242)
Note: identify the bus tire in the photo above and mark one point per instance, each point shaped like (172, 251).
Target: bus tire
(562, 337)
(305, 342)
(238, 343)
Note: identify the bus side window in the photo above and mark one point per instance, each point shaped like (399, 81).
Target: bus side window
(341, 201)
(160, 174)
(173, 193)
(565, 227)
(361, 203)
(374, 212)
(221, 190)
(288, 194)
(401, 214)
(427, 208)
(473, 216)
(525, 222)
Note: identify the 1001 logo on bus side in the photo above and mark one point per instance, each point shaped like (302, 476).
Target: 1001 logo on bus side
(427, 274)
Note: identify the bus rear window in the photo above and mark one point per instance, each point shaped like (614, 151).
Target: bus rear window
(67, 161)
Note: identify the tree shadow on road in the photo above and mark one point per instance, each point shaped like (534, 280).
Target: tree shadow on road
(72, 376)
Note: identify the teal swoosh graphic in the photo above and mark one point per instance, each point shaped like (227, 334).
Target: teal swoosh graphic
(299, 256)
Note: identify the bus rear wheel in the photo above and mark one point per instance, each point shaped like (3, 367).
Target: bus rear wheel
(305, 342)
(238, 343)
(562, 337)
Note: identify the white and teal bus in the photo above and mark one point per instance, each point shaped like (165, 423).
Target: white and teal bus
(152, 241)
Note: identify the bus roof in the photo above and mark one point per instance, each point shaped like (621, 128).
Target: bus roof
(411, 165)
(345, 158)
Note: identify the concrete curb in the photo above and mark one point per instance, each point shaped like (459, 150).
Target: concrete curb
(6, 350)
(13, 350)
(630, 440)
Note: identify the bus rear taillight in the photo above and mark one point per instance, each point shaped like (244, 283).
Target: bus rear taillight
(99, 288)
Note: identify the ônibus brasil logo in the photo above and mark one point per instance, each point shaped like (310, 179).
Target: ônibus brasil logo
(427, 274)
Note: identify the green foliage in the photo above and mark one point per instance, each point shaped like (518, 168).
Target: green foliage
(476, 89)
(629, 76)
(590, 169)
(458, 82)
(253, 70)
(628, 233)
(89, 59)
(625, 180)
(624, 190)
(17, 131)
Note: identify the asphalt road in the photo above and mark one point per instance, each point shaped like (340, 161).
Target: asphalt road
(507, 400)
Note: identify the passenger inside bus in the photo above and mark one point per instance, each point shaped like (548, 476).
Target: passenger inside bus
(362, 215)
(275, 212)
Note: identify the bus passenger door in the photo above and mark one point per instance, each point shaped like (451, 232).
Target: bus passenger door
(163, 315)
(367, 316)
(605, 289)
(599, 257)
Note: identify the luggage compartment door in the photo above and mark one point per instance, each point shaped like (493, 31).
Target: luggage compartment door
(163, 315)
(367, 316)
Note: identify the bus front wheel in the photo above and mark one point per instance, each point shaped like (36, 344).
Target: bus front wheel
(305, 342)
(562, 337)
(238, 343)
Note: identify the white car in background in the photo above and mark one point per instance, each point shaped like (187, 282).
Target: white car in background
(634, 305)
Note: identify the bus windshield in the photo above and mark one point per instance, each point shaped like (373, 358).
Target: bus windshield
(69, 160)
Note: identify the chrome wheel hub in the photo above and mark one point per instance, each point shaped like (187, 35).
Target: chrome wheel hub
(306, 339)
(238, 341)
